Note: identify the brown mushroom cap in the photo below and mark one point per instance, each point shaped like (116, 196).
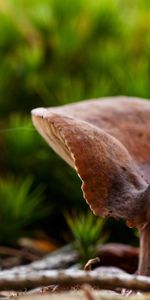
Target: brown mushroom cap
(125, 118)
(91, 136)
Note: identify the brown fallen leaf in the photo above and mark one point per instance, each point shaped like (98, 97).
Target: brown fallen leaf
(38, 245)
(122, 256)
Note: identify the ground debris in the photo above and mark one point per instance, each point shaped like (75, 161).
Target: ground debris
(81, 295)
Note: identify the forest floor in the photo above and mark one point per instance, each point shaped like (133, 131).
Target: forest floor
(28, 275)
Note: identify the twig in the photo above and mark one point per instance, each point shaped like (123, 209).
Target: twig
(59, 259)
(19, 281)
(88, 292)
(90, 263)
(18, 253)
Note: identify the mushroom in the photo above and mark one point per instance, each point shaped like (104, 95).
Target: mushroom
(107, 142)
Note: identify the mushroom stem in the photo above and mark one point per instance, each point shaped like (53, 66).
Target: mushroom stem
(144, 255)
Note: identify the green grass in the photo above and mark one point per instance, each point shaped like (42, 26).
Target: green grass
(19, 208)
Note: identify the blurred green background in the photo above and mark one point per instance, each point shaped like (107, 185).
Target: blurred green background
(54, 52)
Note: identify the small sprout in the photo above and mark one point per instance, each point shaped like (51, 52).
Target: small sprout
(87, 231)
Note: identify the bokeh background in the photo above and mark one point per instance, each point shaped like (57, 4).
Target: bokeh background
(54, 52)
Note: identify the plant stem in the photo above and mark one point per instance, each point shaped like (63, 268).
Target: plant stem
(144, 256)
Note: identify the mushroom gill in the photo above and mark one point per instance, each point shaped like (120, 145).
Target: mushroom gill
(53, 137)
